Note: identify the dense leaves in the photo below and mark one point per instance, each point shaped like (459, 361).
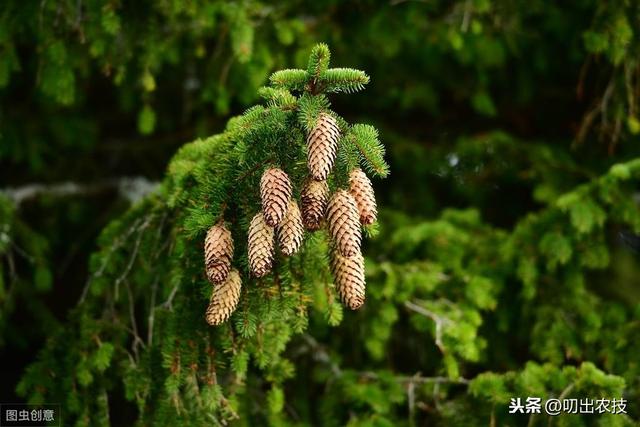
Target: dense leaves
(506, 261)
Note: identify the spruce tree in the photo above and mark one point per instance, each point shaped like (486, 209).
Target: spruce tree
(224, 207)
(522, 115)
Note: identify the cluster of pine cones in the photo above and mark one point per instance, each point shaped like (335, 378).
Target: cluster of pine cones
(281, 219)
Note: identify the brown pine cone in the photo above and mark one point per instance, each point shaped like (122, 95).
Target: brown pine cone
(224, 299)
(322, 146)
(275, 192)
(314, 198)
(261, 246)
(344, 224)
(361, 189)
(290, 231)
(218, 253)
(348, 273)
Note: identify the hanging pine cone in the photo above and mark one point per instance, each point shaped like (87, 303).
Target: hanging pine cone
(361, 189)
(275, 192)
(218, 253)
(290, 231)
(344, 224)
(322, 145)
(314, 198)
(224, 299)
(348, 273)
(261, 246)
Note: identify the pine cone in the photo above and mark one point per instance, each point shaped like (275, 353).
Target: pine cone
(348, 273)
(314, 198)
(344, 224)
(260, 246)
(322, 145)
(290, 230)
(224, 299)
(361, 189)
(275, 191)
(218, 253)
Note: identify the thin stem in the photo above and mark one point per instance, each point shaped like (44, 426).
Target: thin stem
(438, 320)
(418, 379)
(152, 311)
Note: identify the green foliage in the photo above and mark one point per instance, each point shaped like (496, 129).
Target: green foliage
(499, 272)
(289, 79)
(173, 358)
(451, 294)
(146, 120)
(548, 381)
(25, 276)
(343, 80)
(319, 61)
(317, 78)
(213, 56)
(371, 151)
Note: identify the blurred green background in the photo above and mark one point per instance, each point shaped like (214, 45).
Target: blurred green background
(494, 107)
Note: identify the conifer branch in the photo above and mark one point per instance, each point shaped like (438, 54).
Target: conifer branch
(118, 242)
(152, 311)
(133, 256)
(438, 320)
(168, 304)
(137, 340)
(290, 79)
(318, 62)
(345, 80)
(310, 108)
(321, 355)
(365, 138)
(256, 168)
(279, 97)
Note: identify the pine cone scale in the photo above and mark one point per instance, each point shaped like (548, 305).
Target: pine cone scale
(349, 279)
(224, 299)
(218, 253)
(275, 192)
(361, 189)
(314, 199)
(260, 245)
(291, 231)
(344, 225)
(322, 145)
